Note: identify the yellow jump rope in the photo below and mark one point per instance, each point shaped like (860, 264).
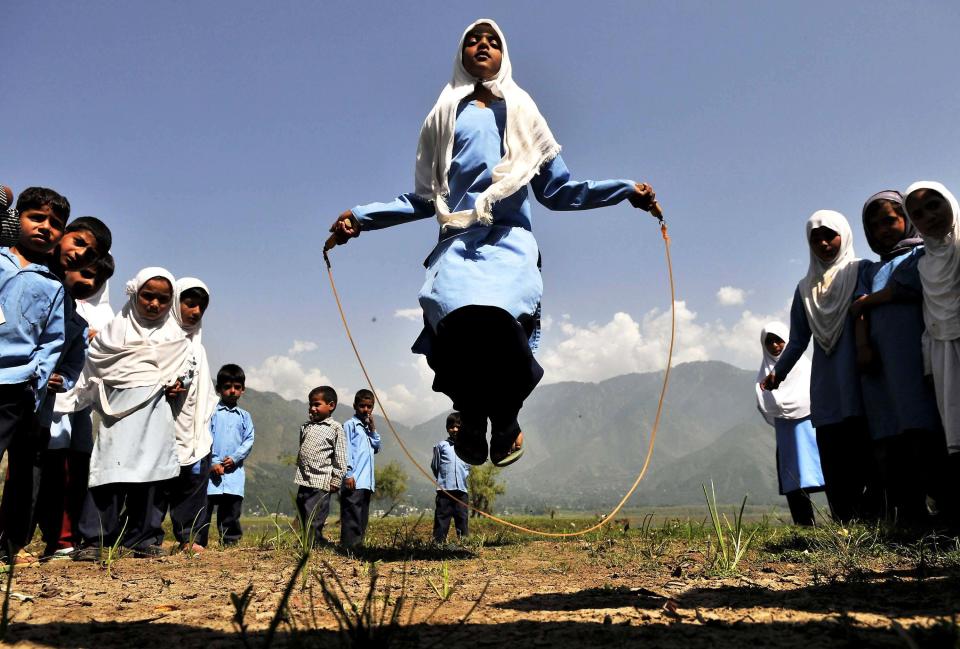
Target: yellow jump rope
(655, 211)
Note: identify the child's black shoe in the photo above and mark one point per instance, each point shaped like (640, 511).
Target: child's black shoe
(471, 444)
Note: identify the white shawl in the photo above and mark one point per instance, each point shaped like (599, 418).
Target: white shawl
(527, 141)
(96, 310)
(792, 399)
(940, 272)
(827, 289)
(131, 352)
(193, 420)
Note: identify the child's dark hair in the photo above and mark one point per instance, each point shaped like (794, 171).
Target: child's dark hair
(197, 293)
(96, 227)
(326, 393)
(33, 198)
(231, 373)
(104, 267)
(875, 206)
(363, 394)
(453, 419)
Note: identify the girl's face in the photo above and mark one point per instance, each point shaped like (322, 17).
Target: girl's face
(930, 212)
(825, 243)
(774, 344)
(482, 52)
(886, 225)
(77, 249)
(192, 305)
(154, 298)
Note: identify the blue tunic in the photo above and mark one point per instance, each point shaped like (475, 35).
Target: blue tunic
(233, 434)
(896, 398)
(496, 265)
(449, 471)
(362, 445)
(798, 457)
(834, 383)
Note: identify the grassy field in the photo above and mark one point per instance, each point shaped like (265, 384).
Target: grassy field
(672, 579)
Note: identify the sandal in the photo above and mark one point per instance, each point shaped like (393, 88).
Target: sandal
(471, 444)
(506, 448)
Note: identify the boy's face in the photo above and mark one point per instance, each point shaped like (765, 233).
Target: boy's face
(230, 392)
(453, 429)
(482, 52)
(82, 283)
(825, 243)
(191, 310)
(363, 408)
(930, 212)
(40, 230)
(153, 299)
(77, 249)
(886, 226)
(774, 344)
(320, 408)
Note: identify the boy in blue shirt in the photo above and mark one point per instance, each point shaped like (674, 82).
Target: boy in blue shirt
(451, 473)
(363, 441)
(31, 339)
(232, 431)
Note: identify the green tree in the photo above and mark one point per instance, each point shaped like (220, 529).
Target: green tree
(483, 486)
(391, 482)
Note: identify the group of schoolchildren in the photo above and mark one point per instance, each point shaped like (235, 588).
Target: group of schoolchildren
(874, 419)
(335, 458)
(164, 444)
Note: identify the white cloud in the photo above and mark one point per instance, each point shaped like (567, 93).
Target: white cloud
(286, 376)
(301, 346)
(731, 296)
(415, 314)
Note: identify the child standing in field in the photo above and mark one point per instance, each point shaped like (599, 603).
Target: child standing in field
(481, 145)
(787, 409)
(232, 431)
(131, 364)
(194, 402)
(321, 462)
(451, 473)
(933, 210)
(32, 333)
(900, 405)
(821, 310)
(359, 483)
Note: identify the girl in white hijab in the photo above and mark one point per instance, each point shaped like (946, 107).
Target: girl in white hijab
(480, 146)
(193, 407)
(787, 409)
(130, 365)
(821, 310)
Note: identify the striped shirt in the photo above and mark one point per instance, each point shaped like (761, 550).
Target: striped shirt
(322, 459)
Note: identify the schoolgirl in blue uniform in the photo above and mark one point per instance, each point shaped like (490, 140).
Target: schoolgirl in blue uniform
(480, 146)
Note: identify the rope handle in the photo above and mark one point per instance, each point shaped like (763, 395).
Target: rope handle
(656, 211)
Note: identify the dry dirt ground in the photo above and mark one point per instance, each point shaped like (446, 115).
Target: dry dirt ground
(609, 590)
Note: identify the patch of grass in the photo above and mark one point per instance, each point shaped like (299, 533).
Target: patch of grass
(731, 539)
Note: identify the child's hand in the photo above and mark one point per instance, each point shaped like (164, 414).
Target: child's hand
(346, 227)
(334, 489)
(217, 469)
(643, 197)
(91, 334)
(350, 484)
(859, 306)
(175, 390)
(229, 464)
(771, 382)
(55, 383)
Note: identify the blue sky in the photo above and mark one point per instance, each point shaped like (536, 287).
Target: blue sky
(221, 139)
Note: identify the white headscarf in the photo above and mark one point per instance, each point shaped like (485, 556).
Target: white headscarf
(940, 272)
(792, 399)
(193, 420)
(527, 140)
(131, 352)
(828, 286)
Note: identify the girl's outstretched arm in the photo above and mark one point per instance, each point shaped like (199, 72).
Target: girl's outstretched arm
(373, 216)
(800, 334)
(555, 190)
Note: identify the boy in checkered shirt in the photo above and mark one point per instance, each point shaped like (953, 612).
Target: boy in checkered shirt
(321, 462)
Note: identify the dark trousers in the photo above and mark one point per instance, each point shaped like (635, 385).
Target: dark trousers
(21, 439)
(186, 498)
(228, 509)
(354, 515)
(911, 466)
(313, 507)
(496, 349)
(125, 511)
(446, 509)
(62, 489)
(801, 509)
(849, 472)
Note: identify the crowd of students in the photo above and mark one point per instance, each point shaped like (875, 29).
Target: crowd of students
(874, 419)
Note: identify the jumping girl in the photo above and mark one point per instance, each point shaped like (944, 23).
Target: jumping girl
(480, 146)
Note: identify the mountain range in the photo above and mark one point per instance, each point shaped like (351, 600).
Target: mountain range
(585, 443)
